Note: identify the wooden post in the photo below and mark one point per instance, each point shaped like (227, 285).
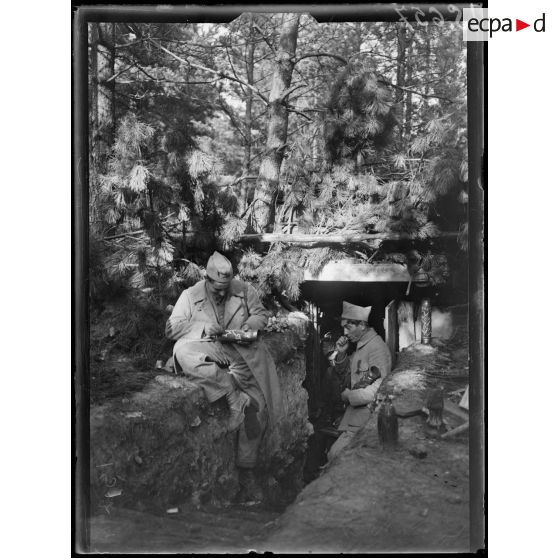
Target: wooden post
(391, 327)
(426, 321)
(316, 349)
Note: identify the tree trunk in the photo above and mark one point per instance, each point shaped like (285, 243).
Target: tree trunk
(105, 93)
(93, 38)
(401, 56)
(356, 42)
(409, 95)
(243, 202)
(268, 176)
(401, 51)
(102, 39)
(427, 64)
(357, 37)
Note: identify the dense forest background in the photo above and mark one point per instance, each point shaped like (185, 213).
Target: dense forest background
(349, 137)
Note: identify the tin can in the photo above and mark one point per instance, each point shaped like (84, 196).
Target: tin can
(388, 426)
(237, 336)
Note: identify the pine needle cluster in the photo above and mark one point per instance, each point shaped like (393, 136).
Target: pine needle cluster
(359, 114)
(156, 188)
(280, 272)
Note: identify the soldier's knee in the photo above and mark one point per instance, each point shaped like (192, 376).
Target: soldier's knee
(340, 444)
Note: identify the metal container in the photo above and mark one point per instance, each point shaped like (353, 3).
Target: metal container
(388, 426)
(237, 336)
(421, 278)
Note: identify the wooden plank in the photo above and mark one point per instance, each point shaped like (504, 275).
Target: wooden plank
(341, 238)
(317, 353)
(313, 354)
(392, 329)
(455, 410)
(465, 400)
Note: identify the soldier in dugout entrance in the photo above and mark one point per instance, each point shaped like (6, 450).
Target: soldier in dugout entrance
(360, 361)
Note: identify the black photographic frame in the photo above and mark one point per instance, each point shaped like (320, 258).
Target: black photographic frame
(477, 133)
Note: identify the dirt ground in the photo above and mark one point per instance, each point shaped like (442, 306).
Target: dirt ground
(374, 500)
(414, 497)
(192, 530)
(368, 501)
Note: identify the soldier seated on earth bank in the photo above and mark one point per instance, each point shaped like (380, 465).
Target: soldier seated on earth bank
(358, 364)
(244, 373)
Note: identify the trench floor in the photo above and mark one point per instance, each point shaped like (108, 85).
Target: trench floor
(206, 529)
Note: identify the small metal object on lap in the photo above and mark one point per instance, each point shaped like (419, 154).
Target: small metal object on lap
(237, 336)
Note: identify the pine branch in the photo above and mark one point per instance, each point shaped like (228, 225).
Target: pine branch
(408, 90)
(289, 91)
(232, 117)
(233, 69)
(300, 113)
(134, 64)
(216, 72)
(147, 74)
(318, 54)
(122, 235)
(114, 76)
(264, 37)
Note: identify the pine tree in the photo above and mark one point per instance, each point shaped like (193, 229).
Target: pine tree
(372, 140)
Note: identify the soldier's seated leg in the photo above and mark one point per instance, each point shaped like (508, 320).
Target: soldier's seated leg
(201, 364)
(340, 444)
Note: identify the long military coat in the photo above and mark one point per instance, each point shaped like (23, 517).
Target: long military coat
(193, 312)
(371, 350)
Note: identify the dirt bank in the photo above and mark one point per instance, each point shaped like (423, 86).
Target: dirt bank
(412, 498)
(165, 446)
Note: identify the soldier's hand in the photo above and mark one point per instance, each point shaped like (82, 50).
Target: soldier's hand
(245, 327)
(223, 361)
(342, 345)
(213, 329)
(345, 395)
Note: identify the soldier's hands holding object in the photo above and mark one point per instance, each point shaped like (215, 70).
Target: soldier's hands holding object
(223, 361)
(345, 395)
(213, 329)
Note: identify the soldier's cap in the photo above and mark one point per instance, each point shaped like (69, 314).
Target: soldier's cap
(354, 312)
(219, 269)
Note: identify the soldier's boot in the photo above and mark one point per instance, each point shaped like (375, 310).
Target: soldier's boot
(250, 492)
